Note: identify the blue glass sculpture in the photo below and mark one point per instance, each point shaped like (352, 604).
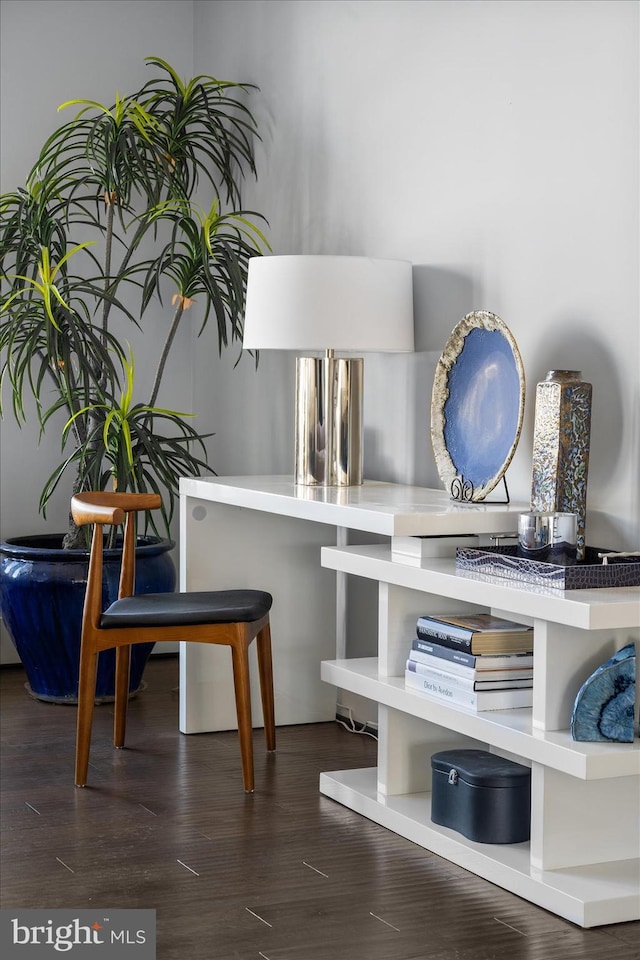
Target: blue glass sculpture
(605, 706)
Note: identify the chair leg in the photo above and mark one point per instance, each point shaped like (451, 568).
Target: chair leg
(86, 700)
(123, 659)
(240, 654)
(265, 669)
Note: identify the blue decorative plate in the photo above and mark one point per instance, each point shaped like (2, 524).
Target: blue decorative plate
(477, 406)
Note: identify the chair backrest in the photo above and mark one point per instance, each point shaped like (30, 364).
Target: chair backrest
(100, 508)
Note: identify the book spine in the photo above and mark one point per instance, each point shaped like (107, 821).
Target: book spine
(470, 683)
(460, 696)
(434, 627)
(460, 670)
(451, 640)
(457, 695)
(485, 661)
(446, 653)
(439, 675)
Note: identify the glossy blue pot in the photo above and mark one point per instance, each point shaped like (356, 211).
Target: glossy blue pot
(42, 591)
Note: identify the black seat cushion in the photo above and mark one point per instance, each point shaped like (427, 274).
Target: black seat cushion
(174, 609)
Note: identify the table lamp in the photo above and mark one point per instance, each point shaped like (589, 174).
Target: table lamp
(328, 303)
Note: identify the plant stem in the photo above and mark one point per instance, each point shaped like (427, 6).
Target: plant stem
(165, 352)
(75, 538)
(107, 266)
(113, 286)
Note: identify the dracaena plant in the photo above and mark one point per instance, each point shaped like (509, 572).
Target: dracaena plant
(105, 226)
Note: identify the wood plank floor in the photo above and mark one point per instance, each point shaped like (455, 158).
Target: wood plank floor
(283, 874)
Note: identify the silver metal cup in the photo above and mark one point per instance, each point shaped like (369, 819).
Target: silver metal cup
(535, 532)
(565, 535)
(551, 536)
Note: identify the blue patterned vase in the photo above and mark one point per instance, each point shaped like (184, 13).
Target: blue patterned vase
(42, 590)
(561, 439)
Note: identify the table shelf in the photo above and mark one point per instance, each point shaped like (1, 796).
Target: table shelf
(585, 797)
(587, 895)
(509, 730)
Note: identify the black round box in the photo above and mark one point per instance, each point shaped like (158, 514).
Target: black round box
(484, 797)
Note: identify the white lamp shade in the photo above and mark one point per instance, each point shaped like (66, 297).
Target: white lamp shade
(310, 303)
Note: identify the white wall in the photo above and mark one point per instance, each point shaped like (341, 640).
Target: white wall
(52, 51)
(494, 143)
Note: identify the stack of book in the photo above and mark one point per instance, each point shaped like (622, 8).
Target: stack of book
(475, 660)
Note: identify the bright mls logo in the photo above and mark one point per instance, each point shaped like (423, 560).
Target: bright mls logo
(101, 934)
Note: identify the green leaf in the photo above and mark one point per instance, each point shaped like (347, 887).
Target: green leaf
(105, 222)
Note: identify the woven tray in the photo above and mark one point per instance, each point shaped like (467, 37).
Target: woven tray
(588, 574)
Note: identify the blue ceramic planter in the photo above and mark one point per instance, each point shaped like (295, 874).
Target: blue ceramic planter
(42, 591)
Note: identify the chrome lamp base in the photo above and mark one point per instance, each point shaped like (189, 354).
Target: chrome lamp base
(328, 421)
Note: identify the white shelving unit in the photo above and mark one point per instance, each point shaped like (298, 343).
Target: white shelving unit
(583, 861)
(583, 858)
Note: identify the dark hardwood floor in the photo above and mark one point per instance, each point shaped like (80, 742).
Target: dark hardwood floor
(283, 874)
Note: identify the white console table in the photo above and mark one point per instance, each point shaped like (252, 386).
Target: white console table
(267, 533)
(583, 859)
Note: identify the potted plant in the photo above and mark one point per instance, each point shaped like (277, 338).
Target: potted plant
(106, 225)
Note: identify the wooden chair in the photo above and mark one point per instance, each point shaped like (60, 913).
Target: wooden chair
(231, 617)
